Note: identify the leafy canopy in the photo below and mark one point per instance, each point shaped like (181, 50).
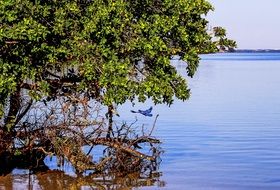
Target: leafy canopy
(110, 50)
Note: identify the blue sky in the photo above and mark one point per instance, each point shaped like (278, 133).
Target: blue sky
(254, 24)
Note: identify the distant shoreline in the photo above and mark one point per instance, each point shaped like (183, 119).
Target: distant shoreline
(247, 51)
(256, 51)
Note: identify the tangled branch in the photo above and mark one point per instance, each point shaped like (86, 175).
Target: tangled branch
(68, 126)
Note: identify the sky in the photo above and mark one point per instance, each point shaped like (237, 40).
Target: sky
(254, 24)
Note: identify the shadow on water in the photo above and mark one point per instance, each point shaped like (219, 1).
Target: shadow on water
(55, 179)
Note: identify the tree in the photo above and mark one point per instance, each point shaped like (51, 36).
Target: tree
(106, 51)
(223, 43)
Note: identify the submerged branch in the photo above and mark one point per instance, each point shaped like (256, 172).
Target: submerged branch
(114, 143)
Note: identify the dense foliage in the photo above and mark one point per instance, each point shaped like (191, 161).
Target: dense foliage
(109, 51)
(119, 49)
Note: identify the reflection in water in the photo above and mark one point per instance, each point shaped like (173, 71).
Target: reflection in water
(60, 180)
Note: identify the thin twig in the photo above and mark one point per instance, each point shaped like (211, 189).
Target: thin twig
(11, 42)
(154, 125)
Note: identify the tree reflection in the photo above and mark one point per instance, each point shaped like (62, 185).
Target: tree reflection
(60, 180)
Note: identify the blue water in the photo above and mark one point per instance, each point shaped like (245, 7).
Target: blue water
(227, 135)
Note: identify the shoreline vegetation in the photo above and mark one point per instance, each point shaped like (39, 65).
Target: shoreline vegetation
(257, 51)
(251, 51)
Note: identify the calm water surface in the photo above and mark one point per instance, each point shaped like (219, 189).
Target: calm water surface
(227, 136)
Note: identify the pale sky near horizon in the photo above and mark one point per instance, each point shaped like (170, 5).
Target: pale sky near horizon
(254, 24)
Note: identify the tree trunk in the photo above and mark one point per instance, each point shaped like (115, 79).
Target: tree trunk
(110, 123)
(14, 107)
(7, 131)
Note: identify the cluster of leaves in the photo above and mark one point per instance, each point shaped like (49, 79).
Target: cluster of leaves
(223, 43)
(112, 50)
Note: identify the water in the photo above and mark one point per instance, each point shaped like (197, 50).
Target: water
(227, 135)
